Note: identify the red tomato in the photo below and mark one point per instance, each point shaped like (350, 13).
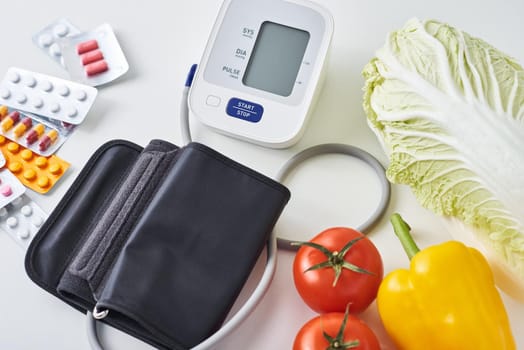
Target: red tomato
(358, 289)
(311, 335)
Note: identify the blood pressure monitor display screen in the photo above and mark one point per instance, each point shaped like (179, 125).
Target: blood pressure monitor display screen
(276, 58)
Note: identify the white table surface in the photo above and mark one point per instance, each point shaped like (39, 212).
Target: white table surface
(161, 40)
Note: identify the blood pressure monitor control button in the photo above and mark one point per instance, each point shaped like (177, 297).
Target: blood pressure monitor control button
(213, 101)
(245, 110)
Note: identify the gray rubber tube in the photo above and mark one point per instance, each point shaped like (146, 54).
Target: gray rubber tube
(92, 334)
(336, 148)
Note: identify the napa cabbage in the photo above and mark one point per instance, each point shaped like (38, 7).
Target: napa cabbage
(449, 110)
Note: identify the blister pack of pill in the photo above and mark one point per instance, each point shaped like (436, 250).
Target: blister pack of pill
(45, 95)
(40, 134)
(94, 57)
(10, 187)
(46, 39)
(21, 220)
(36, 172)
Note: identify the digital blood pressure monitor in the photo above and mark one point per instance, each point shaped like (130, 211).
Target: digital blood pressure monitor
(261, 70)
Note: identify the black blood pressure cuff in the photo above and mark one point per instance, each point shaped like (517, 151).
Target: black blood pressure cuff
(161, 237)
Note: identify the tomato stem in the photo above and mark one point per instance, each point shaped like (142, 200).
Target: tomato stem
(402, 229)
(337, 343)
(335, 259)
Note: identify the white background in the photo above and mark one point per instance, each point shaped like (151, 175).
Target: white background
(161, 40)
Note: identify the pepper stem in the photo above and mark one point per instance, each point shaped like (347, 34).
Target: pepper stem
(402, 229)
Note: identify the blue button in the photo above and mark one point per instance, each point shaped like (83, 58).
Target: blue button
(244, 110)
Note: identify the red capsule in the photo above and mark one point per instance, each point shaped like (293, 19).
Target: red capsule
(91, 56)
(86, 46)
(14, 115)
(11, 119)
(35, 133)
(96, 68)
(47, 140)
(22, 127)
(67, 125)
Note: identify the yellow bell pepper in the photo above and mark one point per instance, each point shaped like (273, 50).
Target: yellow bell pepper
(446, 300)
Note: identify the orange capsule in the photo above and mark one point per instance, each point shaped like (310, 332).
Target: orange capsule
(48, 139)
(3, 111)
(22, 127)
(35, 133)
(11, 119)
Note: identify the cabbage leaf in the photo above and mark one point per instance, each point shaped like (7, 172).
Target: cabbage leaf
(449, 110)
